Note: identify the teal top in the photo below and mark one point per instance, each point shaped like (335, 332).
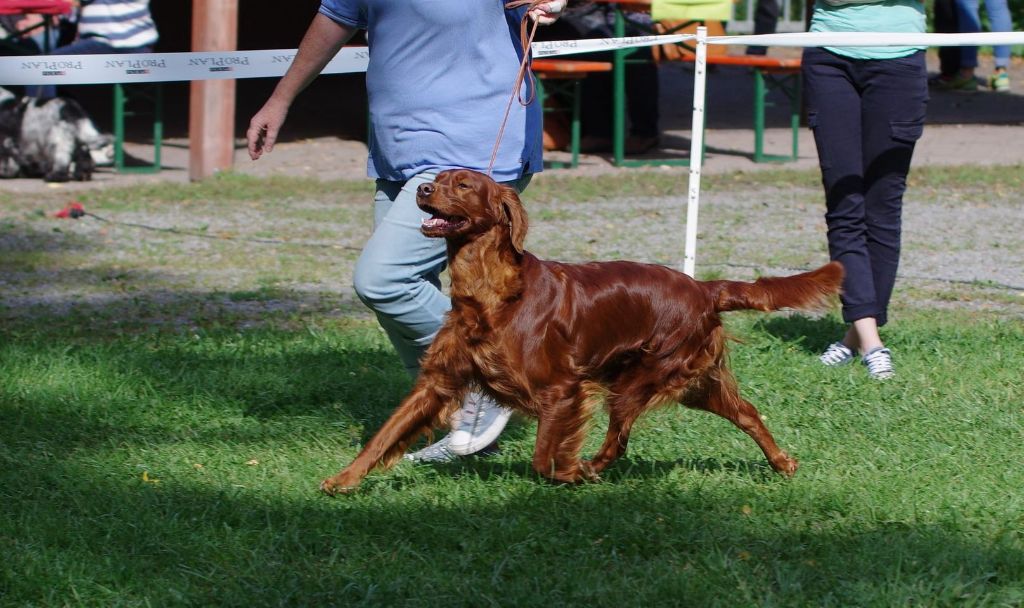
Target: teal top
(899, 16)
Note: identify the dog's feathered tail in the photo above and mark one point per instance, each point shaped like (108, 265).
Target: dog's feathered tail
(807, 291)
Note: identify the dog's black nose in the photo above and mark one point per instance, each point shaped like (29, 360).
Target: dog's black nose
(425, 190)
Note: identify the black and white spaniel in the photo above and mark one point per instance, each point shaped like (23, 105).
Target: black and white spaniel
(53, 138)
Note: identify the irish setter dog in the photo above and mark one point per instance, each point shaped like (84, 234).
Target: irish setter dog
(551, 339)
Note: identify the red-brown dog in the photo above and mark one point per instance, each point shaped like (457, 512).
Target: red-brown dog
(548, 338)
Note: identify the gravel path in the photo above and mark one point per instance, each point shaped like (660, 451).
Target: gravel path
(958, 249)
(957, 252)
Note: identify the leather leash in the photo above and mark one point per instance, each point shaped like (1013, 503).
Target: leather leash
(526, 34)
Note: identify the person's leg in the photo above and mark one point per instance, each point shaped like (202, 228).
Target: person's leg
(766, 20)
(642, 90)
(82, 46)
(1000, 21)
(894, 102)
(946, 23)
(596, 110)
(398, 272)
(833, 113)
(969, 22)
(836, 114)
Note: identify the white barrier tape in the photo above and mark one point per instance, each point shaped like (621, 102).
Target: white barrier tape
(592, 45)
(229, 65)
(164, 67)
(170, 67)
(804, 39)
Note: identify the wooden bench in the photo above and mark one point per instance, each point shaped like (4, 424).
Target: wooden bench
(566, 76)
(770, 73)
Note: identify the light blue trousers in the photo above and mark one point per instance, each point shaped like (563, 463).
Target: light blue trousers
(969, 20)
(398, 274)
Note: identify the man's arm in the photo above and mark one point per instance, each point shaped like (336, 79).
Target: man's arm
(322, 41)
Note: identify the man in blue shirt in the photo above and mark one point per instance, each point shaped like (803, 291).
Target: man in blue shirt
(439, 78)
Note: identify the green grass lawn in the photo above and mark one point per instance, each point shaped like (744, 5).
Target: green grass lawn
(151, 461)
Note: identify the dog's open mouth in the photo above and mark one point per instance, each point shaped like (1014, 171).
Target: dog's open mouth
(440, 224)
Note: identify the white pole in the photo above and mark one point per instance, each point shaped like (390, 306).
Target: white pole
(696, 150)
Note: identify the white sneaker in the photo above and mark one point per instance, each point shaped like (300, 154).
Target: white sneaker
(480, 422)
(879, 363)
(836, 354)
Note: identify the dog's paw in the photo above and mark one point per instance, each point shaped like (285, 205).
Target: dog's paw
(588, 473)
(785, 465)
(332, 486)
(57, 176)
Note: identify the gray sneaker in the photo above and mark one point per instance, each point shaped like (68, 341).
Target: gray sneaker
(480, 422)
(435, 452)
(440, 452)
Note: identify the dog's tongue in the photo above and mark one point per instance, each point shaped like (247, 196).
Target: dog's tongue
(435, 222)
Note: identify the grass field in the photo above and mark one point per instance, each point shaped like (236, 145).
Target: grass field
(168, 404)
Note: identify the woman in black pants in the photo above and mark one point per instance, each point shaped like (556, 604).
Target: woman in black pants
(866, 107)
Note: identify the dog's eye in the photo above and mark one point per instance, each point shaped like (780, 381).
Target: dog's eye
(463, 186)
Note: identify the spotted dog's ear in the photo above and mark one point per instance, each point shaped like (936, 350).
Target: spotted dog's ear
(515, 215)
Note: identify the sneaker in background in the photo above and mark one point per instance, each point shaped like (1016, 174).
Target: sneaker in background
(957, 83)
(1000, 82)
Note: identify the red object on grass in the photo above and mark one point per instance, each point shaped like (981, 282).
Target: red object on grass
(73, 210)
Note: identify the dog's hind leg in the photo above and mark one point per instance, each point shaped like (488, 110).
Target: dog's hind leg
(719, 395)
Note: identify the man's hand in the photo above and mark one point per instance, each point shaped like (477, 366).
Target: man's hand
(322, 41)
(264, 127)
(548, 12)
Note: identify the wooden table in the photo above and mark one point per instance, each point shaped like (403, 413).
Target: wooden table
(48, 8)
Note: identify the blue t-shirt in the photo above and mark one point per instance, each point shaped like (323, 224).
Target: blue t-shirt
(890, 16)
(439, 78)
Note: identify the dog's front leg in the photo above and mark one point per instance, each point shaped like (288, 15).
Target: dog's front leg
(61, 149)
(424, 408)
(561, 430)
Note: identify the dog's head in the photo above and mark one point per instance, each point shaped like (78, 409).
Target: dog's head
(463, 204)
(101, 149)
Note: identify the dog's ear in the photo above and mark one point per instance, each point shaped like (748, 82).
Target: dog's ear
(514, 213)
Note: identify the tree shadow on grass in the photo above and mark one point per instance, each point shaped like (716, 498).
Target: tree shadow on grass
(80, 533)
(624, 469)
(810, 334)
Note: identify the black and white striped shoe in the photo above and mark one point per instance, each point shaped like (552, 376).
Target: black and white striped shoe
(879, 363)
(836, 354)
